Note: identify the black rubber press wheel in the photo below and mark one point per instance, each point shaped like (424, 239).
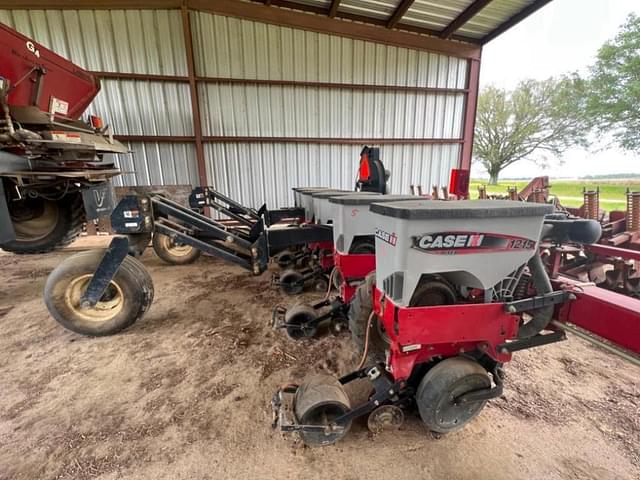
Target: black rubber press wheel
(297, 319)
(319, 401)
(441, 385)
(286, 259)
(291, 282)
(125, 300)
(174, 252)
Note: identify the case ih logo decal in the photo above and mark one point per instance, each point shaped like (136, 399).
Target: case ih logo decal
(456, 243)
(390, 238)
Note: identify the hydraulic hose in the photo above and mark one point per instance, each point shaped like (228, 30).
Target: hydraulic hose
(541, 316)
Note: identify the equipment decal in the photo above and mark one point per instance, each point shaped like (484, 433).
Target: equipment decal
(457, 243)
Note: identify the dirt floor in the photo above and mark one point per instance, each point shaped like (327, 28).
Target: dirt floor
(184, 394)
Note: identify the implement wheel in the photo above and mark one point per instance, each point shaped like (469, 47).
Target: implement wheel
(173, 251)
(319, 401)
(286, 259)
(291, 282)
(42, 225)
(441, 385)
(298, 318)
(359, 311)
(125, 300)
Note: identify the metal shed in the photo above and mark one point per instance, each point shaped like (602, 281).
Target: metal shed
(254, 97)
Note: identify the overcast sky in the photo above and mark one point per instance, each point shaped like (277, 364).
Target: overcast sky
(563, 36)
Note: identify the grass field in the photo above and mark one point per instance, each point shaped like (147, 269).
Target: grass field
(612, 192)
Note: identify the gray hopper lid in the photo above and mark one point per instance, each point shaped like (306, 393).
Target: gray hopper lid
(331, 193)
(369, 198)
(309, 189)
(436, 209)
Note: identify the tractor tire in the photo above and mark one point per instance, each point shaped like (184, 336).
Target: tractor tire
(127, 298)
(43, 225)
(447, 380)
(173, 252)
(360, 309)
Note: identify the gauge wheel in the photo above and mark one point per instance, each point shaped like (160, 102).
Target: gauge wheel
(125, 300)
(173, 251)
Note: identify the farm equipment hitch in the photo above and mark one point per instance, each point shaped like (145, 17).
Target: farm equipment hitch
(208, 197)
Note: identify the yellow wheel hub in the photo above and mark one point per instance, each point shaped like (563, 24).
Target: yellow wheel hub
(173, 248)
(109, 306)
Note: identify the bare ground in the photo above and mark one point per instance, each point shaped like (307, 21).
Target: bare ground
(185, 394)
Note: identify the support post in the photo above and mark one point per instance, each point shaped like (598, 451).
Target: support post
(473, 84)
(193, 90)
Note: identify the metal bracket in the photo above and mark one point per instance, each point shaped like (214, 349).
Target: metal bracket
(109, 265)
(535, 341)
(539, 301)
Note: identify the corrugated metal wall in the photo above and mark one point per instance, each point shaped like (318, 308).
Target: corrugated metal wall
(151, 42)
(233, 48)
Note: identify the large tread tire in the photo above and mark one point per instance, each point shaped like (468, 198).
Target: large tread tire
(174, 255)
(131, 288)
(359, 312)
(71, 217)
(449, 379)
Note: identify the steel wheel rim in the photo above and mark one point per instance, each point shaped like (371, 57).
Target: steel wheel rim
(104, 310)
(39, 227)
(175, 249)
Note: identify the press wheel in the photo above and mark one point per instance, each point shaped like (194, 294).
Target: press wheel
(319, 401)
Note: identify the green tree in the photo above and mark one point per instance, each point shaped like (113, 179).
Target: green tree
(614, 90)
(536, 120)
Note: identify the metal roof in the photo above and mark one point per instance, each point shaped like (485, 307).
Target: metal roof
(472, 21)
(475, 21)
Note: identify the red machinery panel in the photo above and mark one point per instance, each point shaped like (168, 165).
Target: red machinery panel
(20, 57)
(608, 314)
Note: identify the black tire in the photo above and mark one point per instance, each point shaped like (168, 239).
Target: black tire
(172, 252)
(138, 243)
(359, 311)
(286, 259)
(297, 318)
(291, 282)
(318, 401)
(447, 380)
(433, 293)
(43, 225)
(363, 247)
(127, 298)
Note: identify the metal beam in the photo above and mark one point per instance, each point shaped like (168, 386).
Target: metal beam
(317, 23)
(284, 83)
(90, 4)
(193, 90)
(517, 18)
(334, 8)
(315, 140)
(399, 13)
(463, 18)
(471, 105)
